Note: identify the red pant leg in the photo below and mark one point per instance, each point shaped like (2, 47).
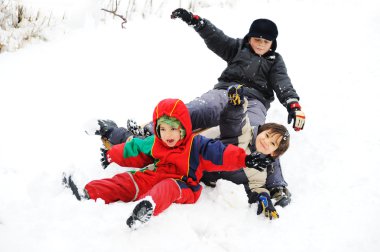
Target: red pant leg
(120, 187)
(168, 192)
(188, 196)
(124, 186)
(163, 194)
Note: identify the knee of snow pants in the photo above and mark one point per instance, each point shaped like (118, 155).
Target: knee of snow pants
(188, 196)
(205, 110)
(170, 191)
(164, 193)
(120, 187)
(256, 112)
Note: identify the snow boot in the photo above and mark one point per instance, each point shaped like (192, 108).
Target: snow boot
(111, 134)
(134, 128)
(105, 128)
(235, 95)
(68, 182)
(281, 195)
(141, 214)
(148, 129)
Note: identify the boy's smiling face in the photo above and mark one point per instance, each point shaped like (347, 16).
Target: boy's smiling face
(260, 46)
(267, 142)
(169, 135)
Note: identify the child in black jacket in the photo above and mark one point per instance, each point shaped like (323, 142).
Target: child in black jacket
(254, 63)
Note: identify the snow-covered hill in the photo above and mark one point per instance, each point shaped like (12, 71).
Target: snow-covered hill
(52, 90)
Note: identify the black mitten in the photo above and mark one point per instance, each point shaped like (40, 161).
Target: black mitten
(258, 161)
(104, 159)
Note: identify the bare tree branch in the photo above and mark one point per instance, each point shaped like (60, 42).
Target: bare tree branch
(117, 15)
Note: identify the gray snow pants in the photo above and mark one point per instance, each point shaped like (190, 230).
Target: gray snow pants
(205, 113)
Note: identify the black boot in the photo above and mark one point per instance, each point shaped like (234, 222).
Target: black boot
(282, 196)
(235, 95)
(68, 182)
(111, 134)
(134, 128)
(105, 128)
(141, 214)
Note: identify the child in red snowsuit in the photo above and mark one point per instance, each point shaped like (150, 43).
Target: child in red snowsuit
(179, 156)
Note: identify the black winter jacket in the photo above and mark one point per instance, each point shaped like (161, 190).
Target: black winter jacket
(261, 74)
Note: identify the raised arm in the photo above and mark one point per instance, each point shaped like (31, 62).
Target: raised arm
(221, 44)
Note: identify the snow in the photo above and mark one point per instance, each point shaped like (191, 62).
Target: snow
(51, 91)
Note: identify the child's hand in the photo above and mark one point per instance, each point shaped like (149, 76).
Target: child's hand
(258, 161)
(104, 158)
(186, 16)
(265, 205)
(296, 115)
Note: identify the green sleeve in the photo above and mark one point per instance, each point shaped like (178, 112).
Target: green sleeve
(137, 145)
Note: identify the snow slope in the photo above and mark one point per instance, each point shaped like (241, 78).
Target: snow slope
(90, 69)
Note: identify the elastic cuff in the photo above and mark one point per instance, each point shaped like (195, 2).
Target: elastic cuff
(199, 26)
(291, 100)
(294, 105)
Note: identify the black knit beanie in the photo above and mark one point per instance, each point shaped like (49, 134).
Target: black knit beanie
(263, 28)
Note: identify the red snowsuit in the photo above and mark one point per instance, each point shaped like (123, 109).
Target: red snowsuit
(178, 170)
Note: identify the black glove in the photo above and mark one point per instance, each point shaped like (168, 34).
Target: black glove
(105, 128)
(295, 113)
(235, 94)
(265, 205)
(187, 17)
(259, 161)
(281, 195)
(104, 159)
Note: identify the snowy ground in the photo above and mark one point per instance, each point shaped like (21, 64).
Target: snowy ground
(52, 90)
